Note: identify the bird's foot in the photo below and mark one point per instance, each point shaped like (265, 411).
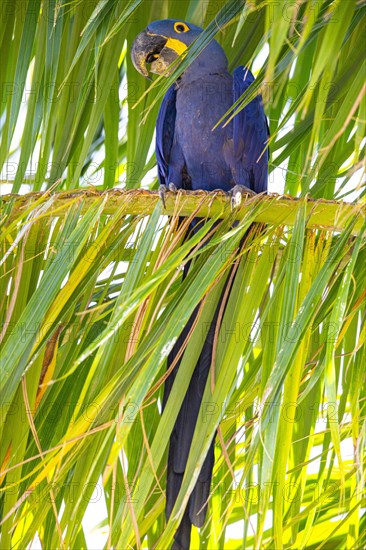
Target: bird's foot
(162, 194)
(236, 194)
(163, 191)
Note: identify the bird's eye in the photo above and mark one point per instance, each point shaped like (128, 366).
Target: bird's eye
(181, 27)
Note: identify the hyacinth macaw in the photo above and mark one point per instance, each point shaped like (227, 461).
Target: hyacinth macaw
(191, 156)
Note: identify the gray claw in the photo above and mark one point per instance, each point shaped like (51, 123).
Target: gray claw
(172, 187)
(236, 194)
(162, 193)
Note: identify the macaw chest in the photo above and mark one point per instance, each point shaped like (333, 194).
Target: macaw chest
(199, 107)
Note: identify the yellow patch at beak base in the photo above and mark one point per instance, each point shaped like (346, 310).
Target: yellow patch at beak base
(176, 45)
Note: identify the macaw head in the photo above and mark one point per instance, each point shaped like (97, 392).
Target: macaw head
(155, 49)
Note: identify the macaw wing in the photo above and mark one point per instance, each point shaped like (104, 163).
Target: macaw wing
(165, 125)
(250, 136)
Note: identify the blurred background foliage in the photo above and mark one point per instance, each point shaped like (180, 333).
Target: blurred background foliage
(91, 302)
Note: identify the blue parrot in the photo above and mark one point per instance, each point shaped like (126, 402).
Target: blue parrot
(192, 156)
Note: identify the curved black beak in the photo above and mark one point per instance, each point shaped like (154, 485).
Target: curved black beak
(146, 48)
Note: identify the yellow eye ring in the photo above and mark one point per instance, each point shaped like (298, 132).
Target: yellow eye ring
(180, 27)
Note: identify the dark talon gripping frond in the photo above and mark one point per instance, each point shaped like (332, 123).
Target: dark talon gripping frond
(162, 193)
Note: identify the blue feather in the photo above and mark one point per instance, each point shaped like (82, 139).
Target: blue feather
(165, 125)
(188, 150)
(250, 134)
